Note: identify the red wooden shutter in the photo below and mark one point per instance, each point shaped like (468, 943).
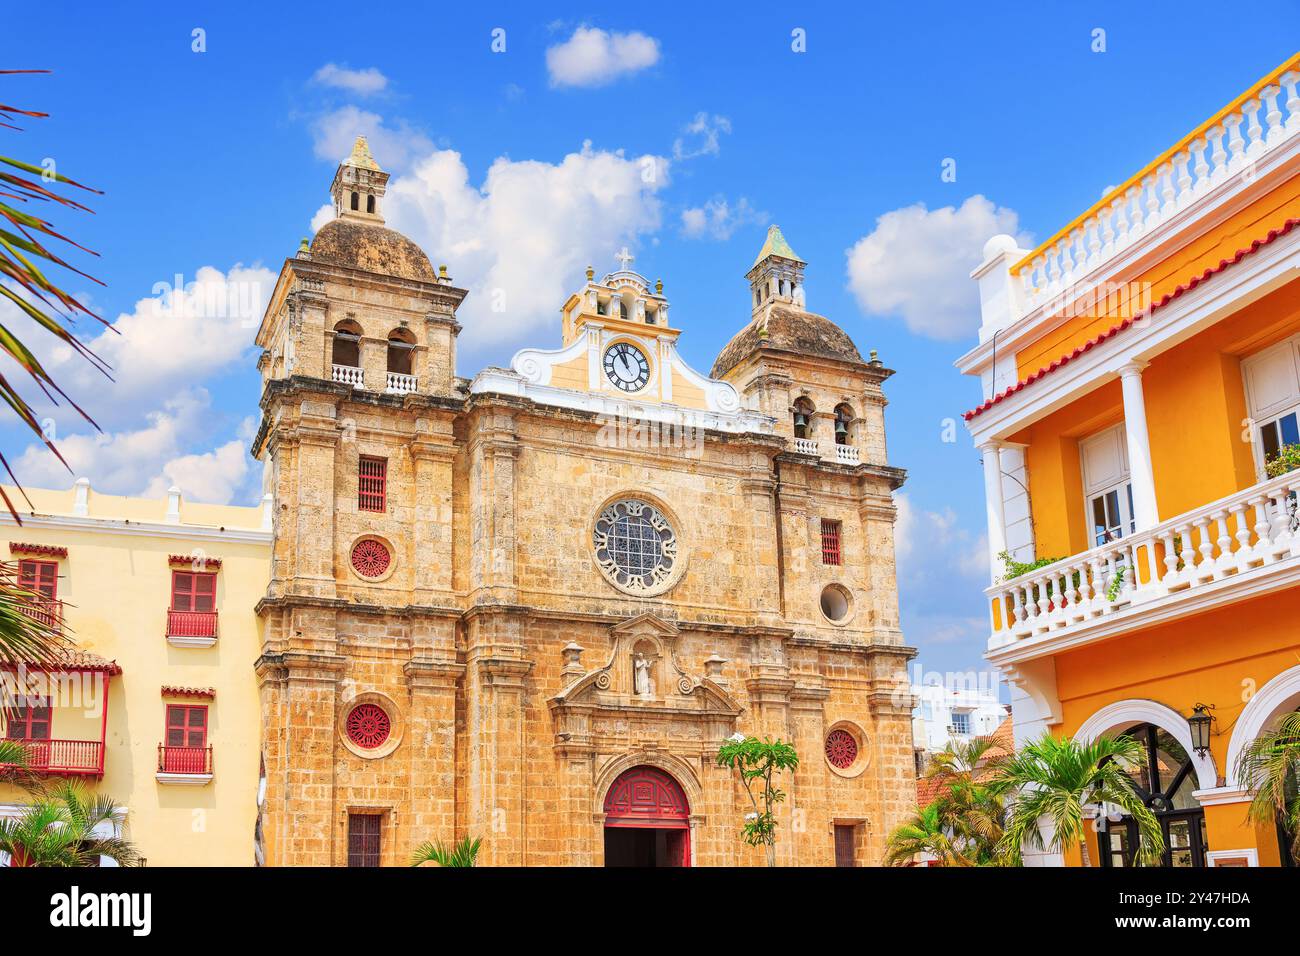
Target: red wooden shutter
(363, 838)
(187, 726)
(830, 541)
(194, 591)
(29, 721)
(372, 484)
(39, 576)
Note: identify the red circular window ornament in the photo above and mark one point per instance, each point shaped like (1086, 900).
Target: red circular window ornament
(368, 726)
(370, 558)
(841, 749)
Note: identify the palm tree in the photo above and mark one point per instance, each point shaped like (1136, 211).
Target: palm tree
(1270, 768)
(1053, 779)
(925, 833)
(58, 829)
(24, 256)
(13, 756)
(967, 811)
(464, 853)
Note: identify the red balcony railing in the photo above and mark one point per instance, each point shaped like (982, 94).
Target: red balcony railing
(64, 756)
(184, 759)
(46, 611)
(191, 623)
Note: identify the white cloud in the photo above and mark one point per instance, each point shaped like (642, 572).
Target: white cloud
(520, 241)
(149, 459)
(361, 82)
(932, 545)
(189, 329)
(594, 57)
(702, 136)
(719, 219)
(394, 145)
(916, 265)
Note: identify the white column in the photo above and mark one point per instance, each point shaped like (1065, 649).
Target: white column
(993, 505)
(1145, 513)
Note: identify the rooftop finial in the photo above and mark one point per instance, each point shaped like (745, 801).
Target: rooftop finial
(361, 155)
(775, 245)
(625, 258)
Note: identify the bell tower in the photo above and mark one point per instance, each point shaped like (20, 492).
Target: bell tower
(359, 185)
(777, 273)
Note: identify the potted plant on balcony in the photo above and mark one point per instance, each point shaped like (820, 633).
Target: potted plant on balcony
(1286, 460)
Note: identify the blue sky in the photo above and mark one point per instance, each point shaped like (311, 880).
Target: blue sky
(516, 168)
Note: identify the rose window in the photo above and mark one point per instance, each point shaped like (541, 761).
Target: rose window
(368, 726)
(841, 749)
(636, 547)
(370, 558)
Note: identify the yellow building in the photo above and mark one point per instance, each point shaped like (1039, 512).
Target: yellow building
(1141, 369)
(157, 702)
(531, 606)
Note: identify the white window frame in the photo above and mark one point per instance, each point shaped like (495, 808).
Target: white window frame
(1121, 483)
(1263, 410)
(965, 715)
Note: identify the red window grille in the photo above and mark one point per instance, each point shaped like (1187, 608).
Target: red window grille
(830, 541)
(28, 721)
(368, 726)
(372, 484)
(841, 749)
(363, 838)
(39, 576)
(194, 591)
(370, 558)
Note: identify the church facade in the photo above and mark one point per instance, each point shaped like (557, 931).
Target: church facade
(531, 605)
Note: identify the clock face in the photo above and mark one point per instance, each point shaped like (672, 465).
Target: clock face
(626, 367)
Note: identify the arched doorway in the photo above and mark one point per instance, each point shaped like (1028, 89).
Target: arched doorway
(647, 820)
(1165, 785)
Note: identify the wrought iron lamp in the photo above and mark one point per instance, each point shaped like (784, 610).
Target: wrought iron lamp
(1199, 724)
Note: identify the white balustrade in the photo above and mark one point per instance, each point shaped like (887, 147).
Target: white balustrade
(349, 375)
(846, 454)
(400, 384)
(1266, 117)
(1236, 535)
(806, 446)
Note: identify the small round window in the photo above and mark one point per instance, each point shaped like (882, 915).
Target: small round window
(836, 603)
(841, 749)
(635, 547)
(370, 558)
(368, 726)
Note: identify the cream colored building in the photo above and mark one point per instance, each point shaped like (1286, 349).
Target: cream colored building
(157, 702)
(531, 605)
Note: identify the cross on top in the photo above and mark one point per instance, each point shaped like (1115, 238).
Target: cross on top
(625, 257)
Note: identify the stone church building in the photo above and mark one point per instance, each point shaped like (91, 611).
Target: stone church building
(531, 605)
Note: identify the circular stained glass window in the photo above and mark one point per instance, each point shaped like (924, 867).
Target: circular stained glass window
(636, 547)
(370, 558)
(368, 726)
(841, 749)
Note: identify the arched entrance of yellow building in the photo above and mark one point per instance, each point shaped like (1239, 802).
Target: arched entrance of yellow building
(1165, 785)
(647, 820)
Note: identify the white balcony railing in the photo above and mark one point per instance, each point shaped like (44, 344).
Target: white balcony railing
(1236, 535)
(400, 384)
(806, 446)
(1230, 143)
(846, 454)
(349, 375)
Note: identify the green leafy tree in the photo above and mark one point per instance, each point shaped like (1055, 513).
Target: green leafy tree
(1050, 780)
(27, 251)
(464, 853)
(1269, 767)
(757, 762)
(58, 829)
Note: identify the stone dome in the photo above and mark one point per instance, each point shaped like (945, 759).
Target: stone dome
(371, 248)
(789, 330)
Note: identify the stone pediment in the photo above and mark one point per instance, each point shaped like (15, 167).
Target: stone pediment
(642, 674)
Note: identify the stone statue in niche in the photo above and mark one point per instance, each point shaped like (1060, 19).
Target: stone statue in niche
(642, 683)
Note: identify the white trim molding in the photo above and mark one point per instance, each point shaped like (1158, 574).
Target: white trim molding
(1123, 714)
(1249, 854)
(1283, 691)
(1221, 796)
(184, 779)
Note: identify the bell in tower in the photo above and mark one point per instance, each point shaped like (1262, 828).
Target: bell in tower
(777, 273)
(359, 186)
